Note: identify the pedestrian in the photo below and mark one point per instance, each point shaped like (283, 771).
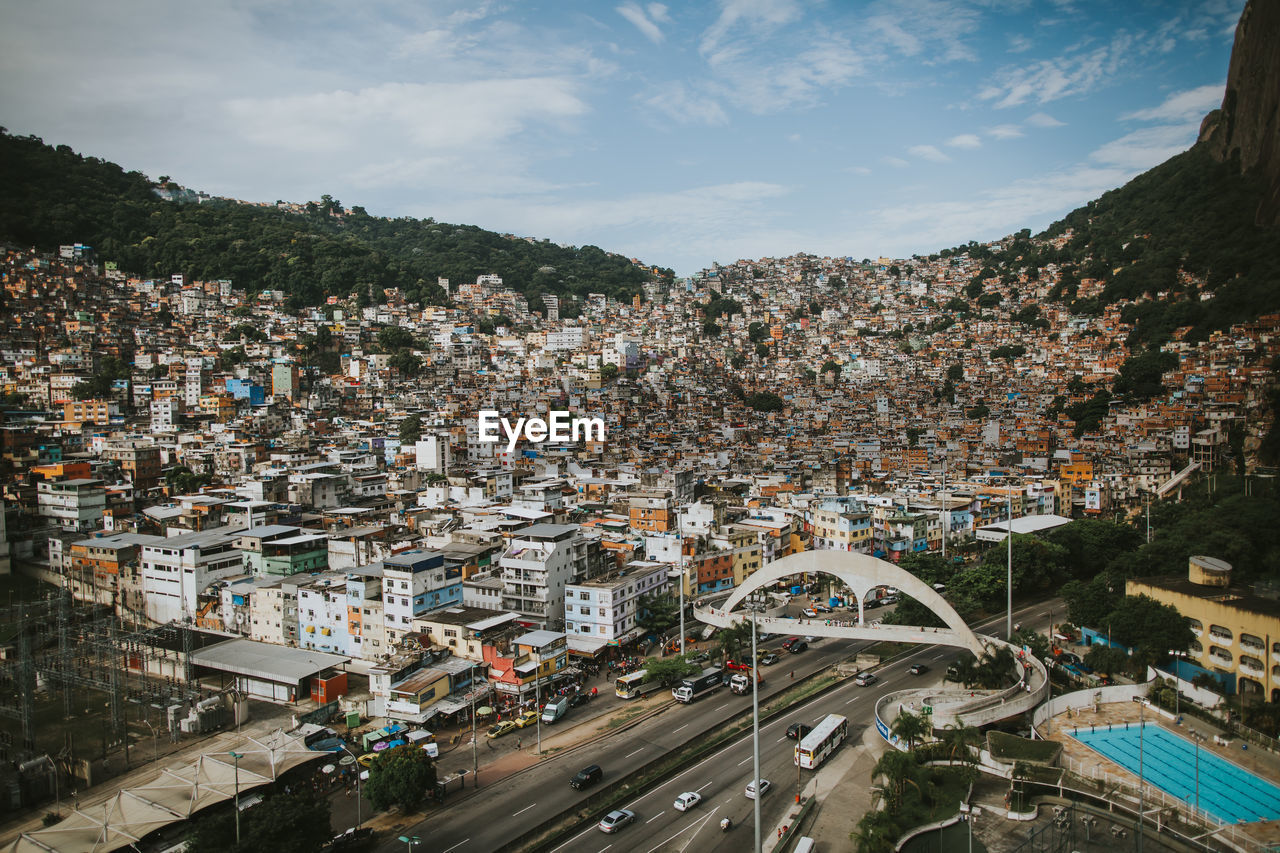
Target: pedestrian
(793, 675)
(519, 743)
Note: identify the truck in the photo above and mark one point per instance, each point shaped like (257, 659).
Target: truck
(740, 682)
(553, 711)
(691, 688)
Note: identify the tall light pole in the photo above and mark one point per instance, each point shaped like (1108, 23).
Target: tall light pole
(155, 744)
(1009, 538)
(946, 511)
(755, 734)
(237, 756)
(411, 840)
(57, 796)
(1142, 707)
(1197, 737)
(356, 759)
(475, 758)
(680, 545)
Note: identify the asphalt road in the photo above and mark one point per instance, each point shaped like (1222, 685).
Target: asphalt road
(491, 817)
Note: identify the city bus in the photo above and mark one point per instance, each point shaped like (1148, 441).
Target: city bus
(814, 748)
(633, 686)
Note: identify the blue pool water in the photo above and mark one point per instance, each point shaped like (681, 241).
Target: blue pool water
(1227, 792)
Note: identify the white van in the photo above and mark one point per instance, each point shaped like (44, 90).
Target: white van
(804, 845)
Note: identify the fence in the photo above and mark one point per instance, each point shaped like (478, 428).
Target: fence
(1165, 806)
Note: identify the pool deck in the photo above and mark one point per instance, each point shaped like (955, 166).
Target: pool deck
(1255, 759)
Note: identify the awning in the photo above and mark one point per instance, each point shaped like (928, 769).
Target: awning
(586, 645)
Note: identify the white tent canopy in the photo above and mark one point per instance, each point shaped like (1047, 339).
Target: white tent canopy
(173, 796)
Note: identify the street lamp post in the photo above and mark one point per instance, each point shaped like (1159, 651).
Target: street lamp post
(1197, 737)
(57, 796)
(1009, 537)
(155, 743)
(411, 840)
(1142, 723)
(680, 545)
(237, 756)
(475, 758)
(755, 734)
(348, 751)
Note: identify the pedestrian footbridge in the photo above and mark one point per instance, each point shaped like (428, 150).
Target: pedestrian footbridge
(862, 574)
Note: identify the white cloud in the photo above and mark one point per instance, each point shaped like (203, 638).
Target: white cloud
(640, 18)
(1182, 106)
(858, 170)
(935, 29)
(965, 140)
(678, 103)
(1005, 131)
(1148, 147)
(1019, 44)
(756, 16)
(1043, 120)
(1071, 74)
(754, 81)
(896, 162)
(479, 113)
(928, 152)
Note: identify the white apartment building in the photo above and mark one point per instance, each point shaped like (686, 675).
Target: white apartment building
(176, 570)
(566, 339)
(414, 583)
(606, 610)
(322, 614)
(76, 504)
(163, 414)
(539, 563)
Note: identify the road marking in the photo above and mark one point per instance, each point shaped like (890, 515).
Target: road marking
(784, 737)
(685, 726)
(722, 707)
(655, 817)
(525, 809)
(699, 790)
(629, 754)
(854, 699)
(697, 823)
(745, 760)
(606, 847)
(459, 844)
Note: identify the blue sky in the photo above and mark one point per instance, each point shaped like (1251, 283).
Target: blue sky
(682, 134)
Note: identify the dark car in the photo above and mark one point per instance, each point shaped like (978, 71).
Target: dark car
(788, 643)
(798, 646)
(579, 699)
(587, 776)
(872, 604)
(797, 731)
(918, 669)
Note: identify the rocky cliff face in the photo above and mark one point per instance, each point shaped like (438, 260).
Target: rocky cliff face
(1247, 127)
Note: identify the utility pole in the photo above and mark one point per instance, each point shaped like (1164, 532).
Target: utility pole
(475, 759)
(237, 756)
(1142, 707)
(680, 545)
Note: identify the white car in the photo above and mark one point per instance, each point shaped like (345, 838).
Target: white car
(810, 612)
(687, 800)
(751, 788)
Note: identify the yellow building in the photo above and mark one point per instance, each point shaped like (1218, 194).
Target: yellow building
(1234, 628)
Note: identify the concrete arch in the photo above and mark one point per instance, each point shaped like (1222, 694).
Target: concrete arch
(861, 573)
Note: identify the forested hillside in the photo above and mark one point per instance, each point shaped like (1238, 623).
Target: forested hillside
(50, 196)
(1178, 240)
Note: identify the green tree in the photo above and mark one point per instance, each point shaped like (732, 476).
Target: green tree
(734, 641)
(910, 727)
(877, 832)
(711, 329)
(829, 366)
(956, 373)
(757, 332)
(608, 372)
(393, 338)
(288, 823)
(410, 430)
(400, 776)
(765, 401)
(1152, 628)
(1107, 660)
(405, 363)
(899, 770)
(669, 671)
(958, 740)
(658, 612)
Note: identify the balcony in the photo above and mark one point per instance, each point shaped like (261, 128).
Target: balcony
(1251, 666)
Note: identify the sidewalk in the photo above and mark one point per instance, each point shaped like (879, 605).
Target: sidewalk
(849, 773)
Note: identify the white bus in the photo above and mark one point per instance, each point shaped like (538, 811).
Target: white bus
(633, 685)
(814, 748)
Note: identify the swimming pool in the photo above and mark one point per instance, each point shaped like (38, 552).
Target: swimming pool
(1227, 792)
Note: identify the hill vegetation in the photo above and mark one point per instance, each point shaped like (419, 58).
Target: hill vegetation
(52, 195)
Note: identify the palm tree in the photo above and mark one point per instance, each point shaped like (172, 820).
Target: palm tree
(958, 739)
(910, 727)
(899, 769)
(876, 833)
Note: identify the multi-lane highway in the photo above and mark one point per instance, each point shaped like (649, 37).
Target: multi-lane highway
(492, 817)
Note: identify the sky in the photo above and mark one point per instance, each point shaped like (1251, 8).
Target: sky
(681, 134)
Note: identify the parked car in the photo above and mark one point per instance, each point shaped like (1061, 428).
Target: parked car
(700, 657)
(616, 819)
(579, 699)
(687, 800)
(798, 646)
(502, 728)
(917, 669)
(528, 718)
(764, 786)
(789, 642)
(586, 777)
(865, 679)
(797, 731)
(366, 760)
(810, 612)
(822, 608)
(891, 598)
(872, 604)
(768, 659)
